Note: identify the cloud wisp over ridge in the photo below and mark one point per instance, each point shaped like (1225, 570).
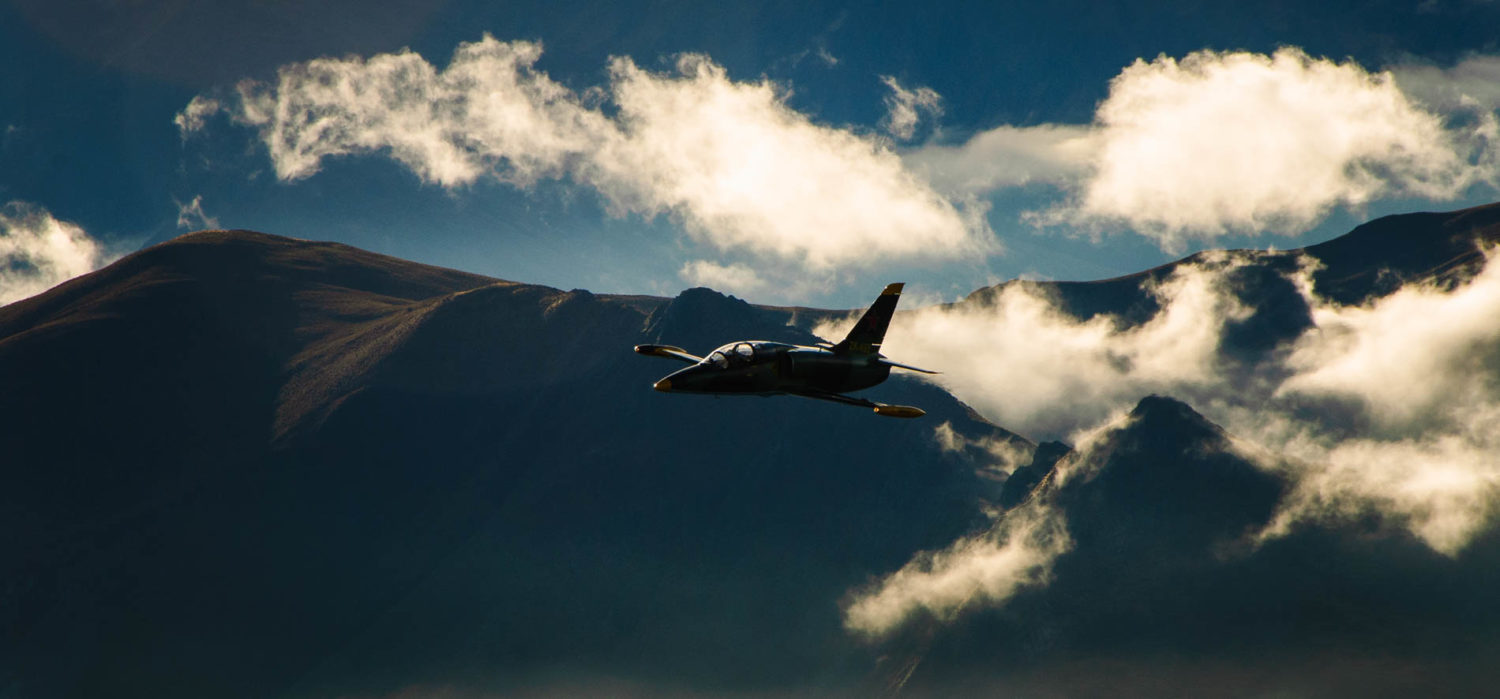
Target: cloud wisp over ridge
(191, 214)
(988, 567)
(729, 160)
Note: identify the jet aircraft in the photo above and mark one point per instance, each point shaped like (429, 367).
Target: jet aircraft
(825, 372)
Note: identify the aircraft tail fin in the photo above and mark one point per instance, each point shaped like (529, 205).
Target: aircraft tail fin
(868, 333)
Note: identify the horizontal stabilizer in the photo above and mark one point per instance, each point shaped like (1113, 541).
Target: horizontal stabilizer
(909, 367)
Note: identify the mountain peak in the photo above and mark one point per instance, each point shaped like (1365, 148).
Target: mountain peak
(1155, 414)
(1167, 477)
(1024, 479)
(701, 319)
(703, 300)
(1379, 256)
(230, 235)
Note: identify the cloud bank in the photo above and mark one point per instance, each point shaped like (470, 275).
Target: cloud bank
(730, 161)
(1419, 370)
(1196, 148)
(1032, 367)
(1389, 409)
(38, 251)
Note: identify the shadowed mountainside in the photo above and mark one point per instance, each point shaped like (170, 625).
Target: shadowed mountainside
(238, 464)
(1372, 260)
(1162, 593)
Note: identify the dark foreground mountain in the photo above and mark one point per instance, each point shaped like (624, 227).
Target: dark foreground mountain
(243, 465)
(1165, 592)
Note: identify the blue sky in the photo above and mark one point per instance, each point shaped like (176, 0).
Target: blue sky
(884, 108)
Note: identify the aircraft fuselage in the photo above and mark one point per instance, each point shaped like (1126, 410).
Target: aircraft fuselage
(760, 367)
(757, 367)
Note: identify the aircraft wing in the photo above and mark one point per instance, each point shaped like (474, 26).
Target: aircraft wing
(667, 351)
(879, 408)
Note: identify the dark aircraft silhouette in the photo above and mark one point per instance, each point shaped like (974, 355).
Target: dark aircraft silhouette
(826, 372)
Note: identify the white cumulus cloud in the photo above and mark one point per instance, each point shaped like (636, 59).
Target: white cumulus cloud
(38, 251)
(737, 167)
(744, 171)
(489, 113)
(1221, 142)
(1240, 142)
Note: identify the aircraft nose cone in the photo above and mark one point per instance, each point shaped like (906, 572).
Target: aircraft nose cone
(663, 385)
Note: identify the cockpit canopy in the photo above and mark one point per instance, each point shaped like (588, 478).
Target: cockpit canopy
(742, 353)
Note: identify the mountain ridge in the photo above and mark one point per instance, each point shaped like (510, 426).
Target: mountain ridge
(1370, 260)
(311, 469)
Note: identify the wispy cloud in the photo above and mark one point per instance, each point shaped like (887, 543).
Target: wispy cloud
(984, 569)
(737, 167)
(38, 251)
(1472, 82)
(191, 215)
(1004, 455)
(1008, 156)
(904, 108)
(195, 115)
